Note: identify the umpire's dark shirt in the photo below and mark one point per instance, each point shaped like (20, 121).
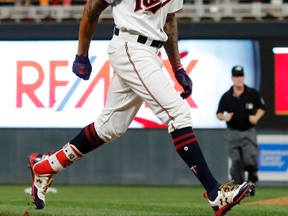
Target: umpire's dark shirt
(242, 106)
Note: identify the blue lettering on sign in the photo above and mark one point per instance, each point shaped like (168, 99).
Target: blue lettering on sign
(273, 157)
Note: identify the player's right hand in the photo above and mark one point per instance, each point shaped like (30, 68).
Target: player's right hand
(82, 67)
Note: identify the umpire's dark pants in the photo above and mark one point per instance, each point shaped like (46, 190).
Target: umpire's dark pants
(243, 152)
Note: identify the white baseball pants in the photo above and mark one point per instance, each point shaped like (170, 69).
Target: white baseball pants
(138, 77)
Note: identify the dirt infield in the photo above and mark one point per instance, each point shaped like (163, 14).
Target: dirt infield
(277, 201)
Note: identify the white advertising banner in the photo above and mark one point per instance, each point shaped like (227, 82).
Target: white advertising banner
(273, 157)
(38, 88)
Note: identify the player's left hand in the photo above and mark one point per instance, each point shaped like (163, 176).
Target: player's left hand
(184, 80)
(82, 67)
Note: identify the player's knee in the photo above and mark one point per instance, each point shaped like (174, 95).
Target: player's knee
(109, 134)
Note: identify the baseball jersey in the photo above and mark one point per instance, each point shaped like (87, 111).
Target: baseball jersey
(144, 17)
(242, 106)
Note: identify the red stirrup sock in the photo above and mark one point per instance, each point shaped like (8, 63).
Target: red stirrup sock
(84, 142)
(57, 161)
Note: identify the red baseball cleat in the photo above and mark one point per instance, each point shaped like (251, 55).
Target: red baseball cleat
(40, 184)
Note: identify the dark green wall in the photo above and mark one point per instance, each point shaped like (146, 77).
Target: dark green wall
(141, 157)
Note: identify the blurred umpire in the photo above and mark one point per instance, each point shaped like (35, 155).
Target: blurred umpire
(241, 107)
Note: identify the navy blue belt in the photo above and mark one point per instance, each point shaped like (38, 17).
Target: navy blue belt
(142, 39)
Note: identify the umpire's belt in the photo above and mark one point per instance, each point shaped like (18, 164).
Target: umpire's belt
(139, 38)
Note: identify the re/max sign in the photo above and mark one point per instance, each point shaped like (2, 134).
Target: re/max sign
(55, 85)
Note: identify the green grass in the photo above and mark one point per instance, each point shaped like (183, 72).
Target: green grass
(130, 201)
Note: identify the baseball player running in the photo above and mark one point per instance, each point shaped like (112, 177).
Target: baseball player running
(141, 28)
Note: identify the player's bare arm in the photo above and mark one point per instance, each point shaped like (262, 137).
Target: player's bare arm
(171, 48)
(90, 17)
(171, 45)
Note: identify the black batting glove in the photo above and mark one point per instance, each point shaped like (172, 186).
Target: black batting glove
(184, 80)
(82, 67)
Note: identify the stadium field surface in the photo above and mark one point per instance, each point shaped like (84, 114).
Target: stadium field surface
(135, 201)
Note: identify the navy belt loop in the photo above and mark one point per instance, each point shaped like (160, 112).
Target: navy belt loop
(156, 43)
(142, 39)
